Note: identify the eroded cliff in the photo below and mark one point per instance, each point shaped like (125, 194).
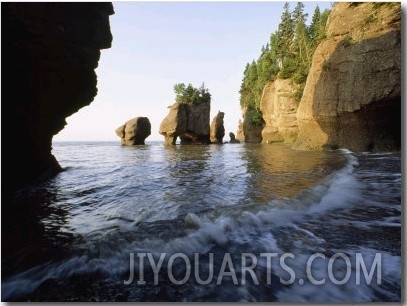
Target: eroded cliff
(279, 108)
(352, 96)
(49, 53)
(240, 133)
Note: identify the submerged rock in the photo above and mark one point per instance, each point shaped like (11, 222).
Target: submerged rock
(134, 131)
(217, 128)
(189, 122)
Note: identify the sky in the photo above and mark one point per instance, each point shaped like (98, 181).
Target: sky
(159, 44)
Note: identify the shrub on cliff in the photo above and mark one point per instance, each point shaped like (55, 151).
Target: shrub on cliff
(191, 95)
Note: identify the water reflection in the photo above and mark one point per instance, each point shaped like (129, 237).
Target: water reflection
(280, 172)
(71, 236)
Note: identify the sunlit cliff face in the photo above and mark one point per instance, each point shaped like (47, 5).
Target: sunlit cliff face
(352, 97)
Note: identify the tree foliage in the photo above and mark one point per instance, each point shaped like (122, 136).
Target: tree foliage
(191, 95)
(253, 116)
(287, 55)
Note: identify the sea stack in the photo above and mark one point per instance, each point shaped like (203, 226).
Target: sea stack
(233, 138)
(189, 122)
(134, 131)
(217, 128)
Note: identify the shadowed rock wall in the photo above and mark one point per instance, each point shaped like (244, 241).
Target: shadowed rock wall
(217, 128)
(49, 53)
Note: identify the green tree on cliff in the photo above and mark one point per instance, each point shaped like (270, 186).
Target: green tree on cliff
(299, 54)
(191, 95)
(267, 68)
(282, 39)
(247, 92)
(288, 55)
(301, 46)
(315, 24)
(317, 30)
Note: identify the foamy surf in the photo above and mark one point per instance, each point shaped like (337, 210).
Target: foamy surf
(336, 215)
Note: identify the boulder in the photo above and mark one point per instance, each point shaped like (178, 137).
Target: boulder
(134, 131)
(217, 128)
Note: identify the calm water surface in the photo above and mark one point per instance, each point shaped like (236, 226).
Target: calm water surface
(70, 238)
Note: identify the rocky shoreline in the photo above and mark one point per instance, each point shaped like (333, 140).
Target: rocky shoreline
(352, 95)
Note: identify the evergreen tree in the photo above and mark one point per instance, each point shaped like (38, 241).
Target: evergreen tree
(315, 24)
(267, 67)
(284, 36)
(191, 95)
(321, 33)
(288, 55)
(301, 45)
(298, 15)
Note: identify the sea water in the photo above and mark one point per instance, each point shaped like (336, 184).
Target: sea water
(80, 235)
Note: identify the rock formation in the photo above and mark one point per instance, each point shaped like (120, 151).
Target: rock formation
(190, 122)
(233, 138)
(50, 51)
(134, 131)
(217, 130)
(279, 108)
(240, 134)
(352, 96)
(252, 133)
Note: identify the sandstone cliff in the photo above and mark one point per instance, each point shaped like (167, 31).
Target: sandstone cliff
(240, 133)
(279, 109)
(189, 122)
(49, 52)
(134, 131)
(352, 95)
(251, 132)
